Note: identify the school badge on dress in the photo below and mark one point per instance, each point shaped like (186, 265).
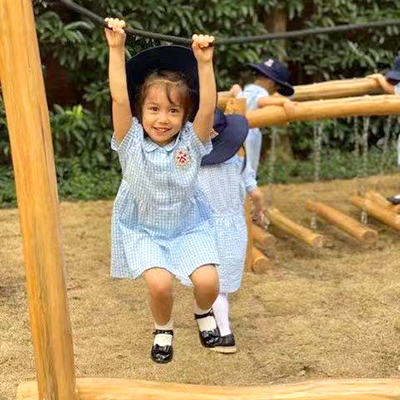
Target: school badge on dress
(182, 157)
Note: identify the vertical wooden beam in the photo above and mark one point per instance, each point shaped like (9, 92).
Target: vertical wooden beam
(33, 160)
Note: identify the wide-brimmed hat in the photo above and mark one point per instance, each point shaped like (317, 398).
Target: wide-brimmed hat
(394, 73)
(232, 132)
(275, 70)
(163, 58)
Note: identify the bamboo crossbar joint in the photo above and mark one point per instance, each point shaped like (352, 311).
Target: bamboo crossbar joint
(343, 222)
(293, 229)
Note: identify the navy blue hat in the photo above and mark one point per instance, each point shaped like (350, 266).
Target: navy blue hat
(163, 58)
(394, 73)
(275, 70)
(232, 132)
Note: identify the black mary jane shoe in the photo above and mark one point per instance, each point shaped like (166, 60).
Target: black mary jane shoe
(211, 338)
(394, 199)
(226, 344)
(162, 354)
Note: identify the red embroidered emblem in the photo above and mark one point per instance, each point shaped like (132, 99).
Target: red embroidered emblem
(182, 158)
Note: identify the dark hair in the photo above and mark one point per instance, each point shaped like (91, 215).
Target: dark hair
(169, 80)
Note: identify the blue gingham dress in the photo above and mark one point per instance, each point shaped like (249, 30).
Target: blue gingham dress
(224, 186)
(160, 218)
(252, 93)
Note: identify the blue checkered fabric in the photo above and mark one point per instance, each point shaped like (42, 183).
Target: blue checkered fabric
(224, 186)
(252, 93)
(160, 218)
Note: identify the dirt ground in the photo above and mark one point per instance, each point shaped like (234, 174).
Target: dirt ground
(328, 313)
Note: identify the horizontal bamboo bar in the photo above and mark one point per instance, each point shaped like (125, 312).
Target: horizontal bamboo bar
(377, 212)
(380, 200)
(261, 263)
(343, 222)
(291, 228)
(263, 239)
(125, 389)
(325, 109)
(324, 90)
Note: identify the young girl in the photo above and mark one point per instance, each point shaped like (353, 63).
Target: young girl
(224, 180)
(159, 222)
(391, 85)
(271, 76)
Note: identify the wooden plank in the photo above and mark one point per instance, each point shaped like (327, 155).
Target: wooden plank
(291, 228)
(33, 161)
(124, 389)
(381, 201)
(343, 222)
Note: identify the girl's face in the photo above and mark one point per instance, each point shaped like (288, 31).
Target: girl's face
(162, 118)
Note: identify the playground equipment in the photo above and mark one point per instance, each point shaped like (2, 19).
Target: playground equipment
(32, 152)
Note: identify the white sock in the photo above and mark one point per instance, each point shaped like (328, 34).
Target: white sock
(207, 323)
(164, 339)
(221, 313)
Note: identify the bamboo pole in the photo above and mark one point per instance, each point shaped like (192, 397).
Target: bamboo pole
(263, 239)
(260, 262)
(324, 90)
(291, 228)
(381, 201)
(343, 222)
(376, 211)
(324, 109)
(35, 178)
(125, 389)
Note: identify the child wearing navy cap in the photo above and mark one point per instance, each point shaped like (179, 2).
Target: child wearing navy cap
(391, 85)
(225, 178)
(163, 103)
(271, 76)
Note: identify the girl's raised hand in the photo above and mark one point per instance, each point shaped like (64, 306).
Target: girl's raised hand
(115, 32)
(202, 47)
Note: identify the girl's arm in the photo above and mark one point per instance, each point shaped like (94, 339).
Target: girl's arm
(203, 51)
(121, 110)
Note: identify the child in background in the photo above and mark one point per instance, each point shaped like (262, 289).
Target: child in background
(224, 180)
(271, 76)
(159, 224)
(391, 85)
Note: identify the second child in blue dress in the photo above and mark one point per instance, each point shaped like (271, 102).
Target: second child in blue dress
(225, 179)
(160, 222)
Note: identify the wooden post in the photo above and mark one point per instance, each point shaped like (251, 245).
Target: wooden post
(343, 222)
(381, 201)
(376, 211)
(324, 109)
(33, 160)
(291, 228)
(261, 263)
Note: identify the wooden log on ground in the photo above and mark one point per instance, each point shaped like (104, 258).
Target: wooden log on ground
(35, 178)
(261, 263)
(381, 201)
(374, 210)
(343, 222)
(325, 109)
(263, 239)
(125, 389)
(293, 229)
(324, 90)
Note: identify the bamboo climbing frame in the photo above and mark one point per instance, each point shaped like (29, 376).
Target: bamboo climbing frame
(33, 159)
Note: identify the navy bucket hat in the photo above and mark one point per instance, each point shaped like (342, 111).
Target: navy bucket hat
(163, 58)
(275, 70)
(232, 132)
(394, 73)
